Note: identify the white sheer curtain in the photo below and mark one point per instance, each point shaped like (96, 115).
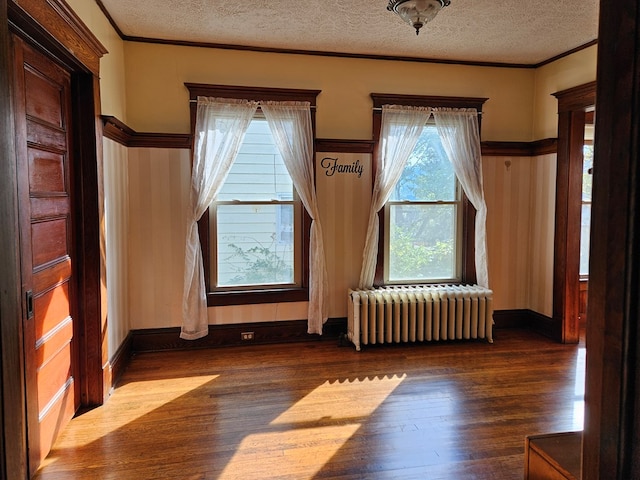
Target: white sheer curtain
(220, 128)
(400, 130)
(290, 124)
(458, 131)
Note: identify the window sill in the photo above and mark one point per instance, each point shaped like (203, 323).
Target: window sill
(243, 297)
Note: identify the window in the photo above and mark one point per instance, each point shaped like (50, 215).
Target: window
(423, 218)
(585, 219)
(427, 225)
(256, 220)
(255, 235)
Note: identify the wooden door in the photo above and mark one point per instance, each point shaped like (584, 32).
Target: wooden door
(43, 150)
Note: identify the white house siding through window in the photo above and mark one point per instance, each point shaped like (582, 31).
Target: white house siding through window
(256, 218)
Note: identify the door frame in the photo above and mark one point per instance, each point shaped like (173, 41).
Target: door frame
(572, 106)
(55, 29)
(13, 417)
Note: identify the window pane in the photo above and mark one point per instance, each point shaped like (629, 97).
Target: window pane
(585, 227)
(587, 178)
(585, 222)
(428, 175)
(258, 173)
(422, 242)
(254, 245)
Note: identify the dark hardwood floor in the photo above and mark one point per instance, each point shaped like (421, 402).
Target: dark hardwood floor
(318, 411)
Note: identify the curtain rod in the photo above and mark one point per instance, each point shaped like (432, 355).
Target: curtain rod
(379, 109)
(195, 101)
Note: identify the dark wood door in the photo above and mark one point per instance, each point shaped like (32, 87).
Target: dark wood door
(43, 150)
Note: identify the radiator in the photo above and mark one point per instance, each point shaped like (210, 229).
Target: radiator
(419, 313)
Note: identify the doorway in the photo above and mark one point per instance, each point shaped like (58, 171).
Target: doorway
(53, 67)
(575, 108)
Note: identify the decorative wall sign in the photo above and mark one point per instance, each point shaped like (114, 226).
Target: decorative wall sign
(332, 165)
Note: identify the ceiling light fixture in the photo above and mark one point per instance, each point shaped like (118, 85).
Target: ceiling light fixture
(417, 12)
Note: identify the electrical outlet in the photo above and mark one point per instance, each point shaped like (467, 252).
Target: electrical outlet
(246, 336)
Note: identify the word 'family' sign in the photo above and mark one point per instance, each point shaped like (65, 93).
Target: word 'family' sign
(332, 166)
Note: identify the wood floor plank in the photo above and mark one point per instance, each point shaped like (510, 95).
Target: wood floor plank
(318, 411)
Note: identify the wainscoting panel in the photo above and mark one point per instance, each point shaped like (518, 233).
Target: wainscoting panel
(116, 187)
(543, 194)
(520, 196)
(344, 187)
(158, 198)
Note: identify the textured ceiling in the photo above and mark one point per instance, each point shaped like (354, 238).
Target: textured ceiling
(495, 31)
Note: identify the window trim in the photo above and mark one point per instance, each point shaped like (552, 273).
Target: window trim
(468, 267)
(266, 295)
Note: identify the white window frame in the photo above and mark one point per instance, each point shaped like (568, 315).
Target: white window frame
(296, 240)
(458, 235)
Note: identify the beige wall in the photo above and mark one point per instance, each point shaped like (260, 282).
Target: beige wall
(157, 100)
(567, 72)
(520, 198)
(143, 85)
(344, 111)
(112, 65)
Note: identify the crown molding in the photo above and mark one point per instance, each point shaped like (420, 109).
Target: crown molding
(250, 48)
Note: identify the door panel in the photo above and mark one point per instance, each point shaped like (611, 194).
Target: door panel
(48, 240)
(51, 308)
(46, 172)
(42, 100)
(44, 135)
(53, 275)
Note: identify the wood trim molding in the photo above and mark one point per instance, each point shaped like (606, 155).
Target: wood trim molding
(13, 444)
(161, 339)
(115, 130)
(251, 93)
(344, 146)
(511, 318)
(576, 98)
(90, 266)
(120, 359)
(110, 19)
(60, 22)
(380, 99)
(520, 149)
(572, 106)
(322, 53)
(121, 133)
(567, 53)
(524, 318)
(611, 443)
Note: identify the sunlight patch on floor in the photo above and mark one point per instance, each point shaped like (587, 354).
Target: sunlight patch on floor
(116, 414)
(299, 453)
(364, 397)
(311, 432)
